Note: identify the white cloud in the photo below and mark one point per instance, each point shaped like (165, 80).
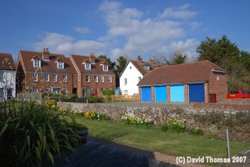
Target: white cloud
(130, 33)
(181, 13)
(66, 44)
(146, 35)
(82, 30)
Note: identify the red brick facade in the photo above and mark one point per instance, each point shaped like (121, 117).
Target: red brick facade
(95, 79)
(48, 75)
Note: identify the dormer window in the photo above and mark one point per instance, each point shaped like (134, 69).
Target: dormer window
(146, 67)
(87, 66)
(60, 65)
(105, 67)
(36, 63)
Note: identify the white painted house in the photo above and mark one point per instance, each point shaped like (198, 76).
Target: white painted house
(7, 77)
(133, 73)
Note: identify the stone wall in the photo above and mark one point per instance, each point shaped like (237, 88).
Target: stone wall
(212, 118)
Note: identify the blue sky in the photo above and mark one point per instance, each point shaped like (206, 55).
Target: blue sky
(115, 28)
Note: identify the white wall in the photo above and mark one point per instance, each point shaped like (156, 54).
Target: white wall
(132, 75)
(8, 81)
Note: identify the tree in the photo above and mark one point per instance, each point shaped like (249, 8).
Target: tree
(111, 64)
(178, 58)
(122, 62)
(218, 50)
(227, 55)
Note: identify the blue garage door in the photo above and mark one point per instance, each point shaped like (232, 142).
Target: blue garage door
(196, 92)
(160, 94)
(177, 93)
(146, 93)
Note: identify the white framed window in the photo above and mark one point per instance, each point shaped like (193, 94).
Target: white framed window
(105, 67)
(102, 78)
(125, 81)
(54, 77)
(46, 77)
(60, 65)
(96, 78)
(87, 78)
(36, 63)
(35, 77)
(110, 79)
(146, 67)
(125, 92)
(65, 77)
(87, 66)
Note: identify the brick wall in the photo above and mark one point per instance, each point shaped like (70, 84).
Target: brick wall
(218, 85)
(40, 85)
(96, 87)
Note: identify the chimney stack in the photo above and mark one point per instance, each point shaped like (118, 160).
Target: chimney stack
(92, 58)
(45, 54)
(139, 58)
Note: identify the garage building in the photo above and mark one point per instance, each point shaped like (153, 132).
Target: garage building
(200, 81)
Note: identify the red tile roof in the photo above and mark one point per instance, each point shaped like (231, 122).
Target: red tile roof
(96, 67)
(190, 72)
(6, 62)
(46, 66)
(139, 65)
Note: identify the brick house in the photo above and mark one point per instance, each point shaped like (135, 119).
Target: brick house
(45, 72)
(7, 77)
(94, 75)
(192, 82)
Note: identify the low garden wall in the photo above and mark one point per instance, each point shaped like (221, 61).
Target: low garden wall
(213, 119)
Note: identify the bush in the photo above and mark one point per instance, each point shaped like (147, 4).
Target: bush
(174, 125)
(30, 133)
(196, 131)
(96, 99)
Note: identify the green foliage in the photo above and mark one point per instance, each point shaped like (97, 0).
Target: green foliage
(96, 99)
(196, 131)
(30, 133)
(122, 62)
(108, 94)
(227, 55)
(178, 58)
(134, 120)
(174, 125)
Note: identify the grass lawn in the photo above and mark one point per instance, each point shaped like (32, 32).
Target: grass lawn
(153, 139)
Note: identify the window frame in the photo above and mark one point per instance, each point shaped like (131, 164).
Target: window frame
(65, 79)
(46, 79)
(35, 77)
(54, 77)
(107, 67)
(87, 66)
(36, 63)
(60, 65)
(96, 78)
(87, 78)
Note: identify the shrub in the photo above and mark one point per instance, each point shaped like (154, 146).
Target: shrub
(174, 125)
(95, 99)
(30, 133)
(196, 131)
